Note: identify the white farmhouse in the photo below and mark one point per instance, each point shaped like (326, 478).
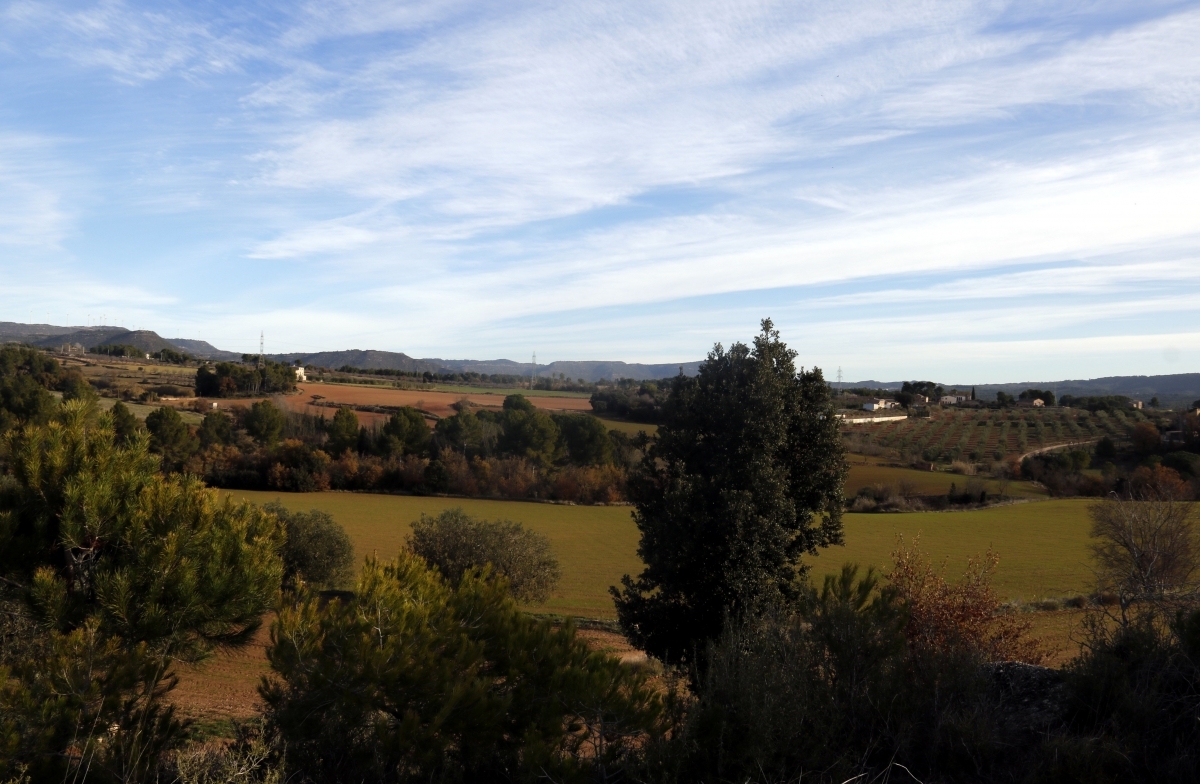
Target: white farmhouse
(300, 374)
(879, 405)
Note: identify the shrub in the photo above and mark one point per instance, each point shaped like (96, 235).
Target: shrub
(830, 694)
(413, 679)
(964, 616)
(457, 543)
(318, 550)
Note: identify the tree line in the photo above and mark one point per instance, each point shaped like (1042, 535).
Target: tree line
(229, 379)
(517, 452)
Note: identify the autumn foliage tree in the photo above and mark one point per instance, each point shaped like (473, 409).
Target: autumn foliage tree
(965, 615)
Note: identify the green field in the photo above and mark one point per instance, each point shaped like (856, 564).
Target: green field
(625, 426)
(141, 411)
(927, 482)
(595, 544)
(1042, 545)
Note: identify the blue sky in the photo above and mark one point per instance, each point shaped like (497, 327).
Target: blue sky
(967, 191)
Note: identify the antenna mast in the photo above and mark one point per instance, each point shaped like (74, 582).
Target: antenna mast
(839, 378)
(260, 349)
(533, 373)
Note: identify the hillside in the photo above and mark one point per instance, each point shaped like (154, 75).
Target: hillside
(143, 339)
(204, 350)
(389, 360)
(368, 360)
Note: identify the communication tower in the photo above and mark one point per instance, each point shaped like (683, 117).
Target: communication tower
(839, 379)
(533, 372)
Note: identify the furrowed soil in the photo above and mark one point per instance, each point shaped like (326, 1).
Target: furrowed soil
(434, 402)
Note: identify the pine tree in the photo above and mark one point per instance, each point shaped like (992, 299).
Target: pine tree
(130, 571)
(413, 679)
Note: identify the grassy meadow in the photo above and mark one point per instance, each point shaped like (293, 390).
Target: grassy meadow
(595, 545)
(927, 482)
(1042, 546)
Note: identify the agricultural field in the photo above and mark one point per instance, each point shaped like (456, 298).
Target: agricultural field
(530, 393)
(625, 426)
(927, 482)
(595, 544)
(141, 410)
(1042, 545)
(1043, 549)
(438, 403)
(983, 434)
(130, 378)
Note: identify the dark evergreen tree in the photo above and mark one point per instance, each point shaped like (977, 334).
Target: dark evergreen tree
(125, 425)
(405, 433)
(125, 572)
(264, 422)
(216, 428)
(343, 431)
(170, 437)
(744, 477)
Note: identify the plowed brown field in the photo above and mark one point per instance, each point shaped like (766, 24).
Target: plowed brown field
(434, 402)
(438, 403)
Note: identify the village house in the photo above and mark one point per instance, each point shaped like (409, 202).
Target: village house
(880, 405)
(952, 400)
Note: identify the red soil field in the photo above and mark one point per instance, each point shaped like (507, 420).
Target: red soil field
(438, 403)
(434, 402)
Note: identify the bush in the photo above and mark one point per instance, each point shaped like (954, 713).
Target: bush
(413, 679)
(965, 616)
(831, 694)
(264, 422)
(318, 550)
(457, 543)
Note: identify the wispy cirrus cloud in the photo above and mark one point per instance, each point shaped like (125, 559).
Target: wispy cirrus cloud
(630, 179)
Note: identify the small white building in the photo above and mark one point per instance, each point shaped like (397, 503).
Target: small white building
(952, 400)
(1135, 404)
(300, 374)
(880, 405)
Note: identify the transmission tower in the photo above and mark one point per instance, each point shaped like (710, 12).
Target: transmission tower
(839, 379)
(533, 373)
(260, 349)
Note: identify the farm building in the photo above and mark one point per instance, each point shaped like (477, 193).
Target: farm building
(952, 400)
(879, 405)
(1135, 404)
(300, 374)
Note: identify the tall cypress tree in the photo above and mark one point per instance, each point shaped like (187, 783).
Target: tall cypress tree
(743, 478)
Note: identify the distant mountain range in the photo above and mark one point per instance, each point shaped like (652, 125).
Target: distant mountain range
(1179, 389)
(389, 360)
(1172, 390)
(50, 336)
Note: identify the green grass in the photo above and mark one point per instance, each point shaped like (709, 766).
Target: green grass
(927, 482)
(1043, 546)
(595, 545)
(141, 411)
(627, 427)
